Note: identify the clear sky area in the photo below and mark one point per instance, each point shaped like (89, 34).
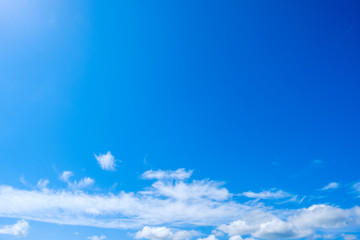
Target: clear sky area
(179, 120)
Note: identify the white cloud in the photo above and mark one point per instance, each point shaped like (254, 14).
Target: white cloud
(199, 203)
(186, 191)
(164, 233)
(332, 185)
(42, 183)
(349, 236)
(66, 175)
(23, 181)
(335, 236)
(298, 223)
(106, 161)
(102, 237)
(236, 237)
(267, 194)
(217, 233)
(19, 229)
(180, 174)
(83, 183)
(317, 162)
(356, 187)
(154, 233)
(324, 236)
(210, 237)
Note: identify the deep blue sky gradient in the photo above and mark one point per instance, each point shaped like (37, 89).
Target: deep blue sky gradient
(258, 94)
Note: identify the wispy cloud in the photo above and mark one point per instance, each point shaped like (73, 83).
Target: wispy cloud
(317, 162)
(66, 175)
(272, 194)
(199, 203)
(83, 183)
(23, 181)
(42, 183)
(356, 187)
(332, 185)
(349, 236)
(106, 161)
(180, 174)
(19, 229)
(102, 237)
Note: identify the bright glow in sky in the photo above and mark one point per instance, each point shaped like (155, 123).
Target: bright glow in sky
(188, 120)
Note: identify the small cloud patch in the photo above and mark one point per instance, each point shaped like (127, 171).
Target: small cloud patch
(106, 161)
(19, 229)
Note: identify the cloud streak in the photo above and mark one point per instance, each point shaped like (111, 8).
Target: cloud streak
(267, 194)
(180, 174)
(332, 185)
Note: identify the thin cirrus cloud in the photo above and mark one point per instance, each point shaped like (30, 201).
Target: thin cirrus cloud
(106, 161)
(332, 185)
(101, 237)
(83, 183)
(66, 175)
(42, 183)
(267, 194)
(19, 229)
(179, 174)
(356, 186)
(159, 210)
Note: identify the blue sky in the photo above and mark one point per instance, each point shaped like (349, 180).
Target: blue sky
(184, 120)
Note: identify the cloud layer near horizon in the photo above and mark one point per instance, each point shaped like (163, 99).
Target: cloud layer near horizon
(175, 201)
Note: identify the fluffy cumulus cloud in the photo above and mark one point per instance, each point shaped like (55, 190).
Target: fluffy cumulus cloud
(19, 229)
(102, 237)
(332, 185)
(172, 201)
(293, 224)
(236, 237)
(106, 161)
(164, 233)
